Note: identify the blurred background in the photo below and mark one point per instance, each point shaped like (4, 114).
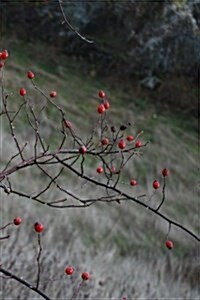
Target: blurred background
(146, 57)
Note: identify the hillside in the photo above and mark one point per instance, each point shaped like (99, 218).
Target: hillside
(121, 245)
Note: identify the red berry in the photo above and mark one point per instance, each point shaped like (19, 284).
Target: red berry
(83, 150)
(99, 170)
(69, 270)
(138, 144)
(101, 109)
(0, 55)
(30, 75)
(68, 124)
(4, 54)
(85, 276)
(165, 172)
(1, 64)
(102, 94)
(130, 138)
(53, 94)
(17, 221)
(38, 227)
(22, 92)
(122, 144)
(156, 184)
(169, 244)
(133, 182)
(113, 170)
(105, 141)
(106, 104)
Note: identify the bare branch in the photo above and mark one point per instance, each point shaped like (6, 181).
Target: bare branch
(4, 237)
(24, 282)
(176, 224)
(66, 22)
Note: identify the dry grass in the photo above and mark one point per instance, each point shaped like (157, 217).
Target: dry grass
(121, 245)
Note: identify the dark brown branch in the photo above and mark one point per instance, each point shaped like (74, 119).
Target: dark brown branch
(176, 224)
(5, 226)
(24, 282)
(5, 188)
(16, 114)
(31, 161)
(4, 237)
(38, 261)
(12, 131)
(13, 157)
(35, 128)
(53, 180)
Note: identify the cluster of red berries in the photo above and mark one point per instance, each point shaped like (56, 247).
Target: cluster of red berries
(104, 105)
(70, 270)
(22, 91)
(156, 183)
(37, 226)
(3, 56)
(31, 75)
(122, 143)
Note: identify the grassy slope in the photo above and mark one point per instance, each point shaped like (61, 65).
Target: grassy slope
(105, 238)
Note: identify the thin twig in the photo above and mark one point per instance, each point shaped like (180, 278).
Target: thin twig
(66, 22)
(38, 261)
(163, 196)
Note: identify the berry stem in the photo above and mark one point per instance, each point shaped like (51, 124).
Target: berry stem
(149, 199)
(169, 229)
(163, 196)
(38, 261)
